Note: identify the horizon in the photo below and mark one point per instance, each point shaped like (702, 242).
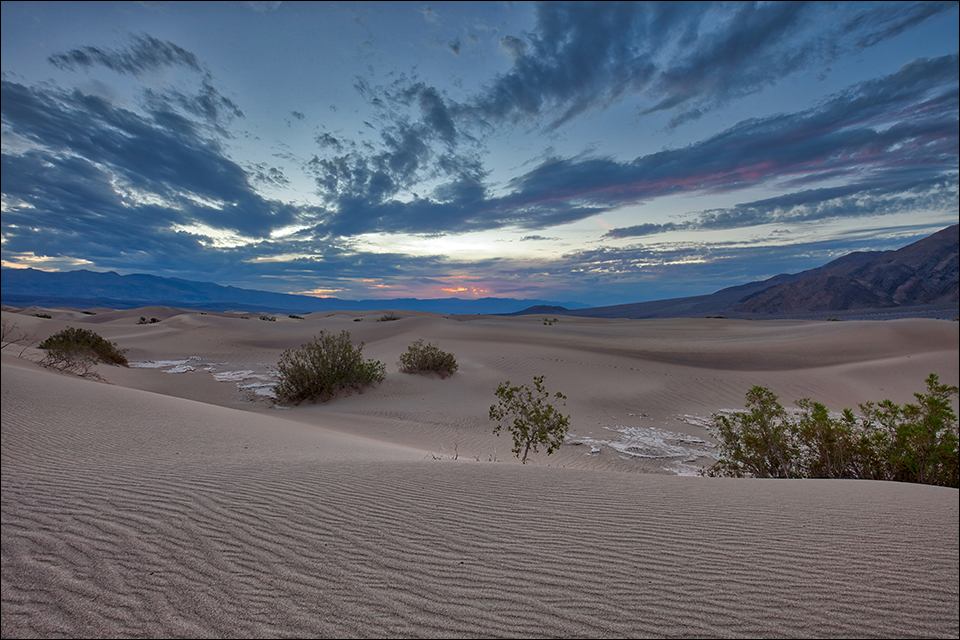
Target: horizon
(604, 154)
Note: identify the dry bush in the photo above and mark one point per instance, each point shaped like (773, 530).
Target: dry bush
(427, 358)
(76, 351)
(324, 367)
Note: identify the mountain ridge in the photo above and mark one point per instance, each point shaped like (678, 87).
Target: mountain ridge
(920, 278)
(924, 275)
(27, 287)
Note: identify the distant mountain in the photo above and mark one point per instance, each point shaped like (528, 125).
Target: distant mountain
(921, 277)
(87, 289)
(925, 272)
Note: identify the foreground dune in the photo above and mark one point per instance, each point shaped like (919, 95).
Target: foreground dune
(181, 504)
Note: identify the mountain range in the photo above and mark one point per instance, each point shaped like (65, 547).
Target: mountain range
(85, 289)
(922, 278)
(919, 277)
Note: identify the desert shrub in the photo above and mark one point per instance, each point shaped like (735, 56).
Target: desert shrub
(77, 350)
(295, 316)
(324, 367)
(909, 443)
(530, 417)
(427, 358)
(268, 318)
(46, 316)
(388, 317)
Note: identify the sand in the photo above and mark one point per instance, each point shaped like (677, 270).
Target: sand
(177, 501)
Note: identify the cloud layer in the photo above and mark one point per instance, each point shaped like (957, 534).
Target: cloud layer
(152, 184)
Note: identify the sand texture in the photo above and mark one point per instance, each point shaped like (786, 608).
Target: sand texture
(177, 501)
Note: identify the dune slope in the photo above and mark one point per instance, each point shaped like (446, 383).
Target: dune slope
(128, 513)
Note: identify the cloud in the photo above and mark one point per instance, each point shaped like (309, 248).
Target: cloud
(686, 57)
(98, 181)
(155, 188)
(145, 54)
(272, 176)
(583, 57)
(892, 140)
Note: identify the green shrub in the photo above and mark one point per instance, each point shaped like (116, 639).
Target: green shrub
(427, 358)
(388, 317)
(530, 417)
(77, 350)
(268, 318)
(909, 443)
(295, 316)
(324, 367)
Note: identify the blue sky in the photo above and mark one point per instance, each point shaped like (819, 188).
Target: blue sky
(595, 152)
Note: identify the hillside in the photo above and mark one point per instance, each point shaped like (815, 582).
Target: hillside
(922, 278)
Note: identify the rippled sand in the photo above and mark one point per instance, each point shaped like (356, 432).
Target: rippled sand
(177, 501)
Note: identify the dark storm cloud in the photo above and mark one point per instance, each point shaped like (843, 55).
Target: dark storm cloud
(418, 142)
(207, 103)
(685, 56)
(895, 139)
(145, 54)
(99, 180)
(586, 56)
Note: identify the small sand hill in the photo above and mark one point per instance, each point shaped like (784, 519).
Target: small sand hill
(183, 504)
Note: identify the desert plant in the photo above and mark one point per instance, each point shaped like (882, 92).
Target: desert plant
(530, 417)
(268, 318)
(915, 442)
(909, 443)
(388, 317)
(757, 442)
(324, 367)
(77, 350)
(427, 358)
(295, 316)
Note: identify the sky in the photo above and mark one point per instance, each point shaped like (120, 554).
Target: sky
(597, 152)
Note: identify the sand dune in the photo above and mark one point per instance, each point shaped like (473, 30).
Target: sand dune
(176, 501)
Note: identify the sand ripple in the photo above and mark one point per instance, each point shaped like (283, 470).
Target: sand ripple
(130, 514)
